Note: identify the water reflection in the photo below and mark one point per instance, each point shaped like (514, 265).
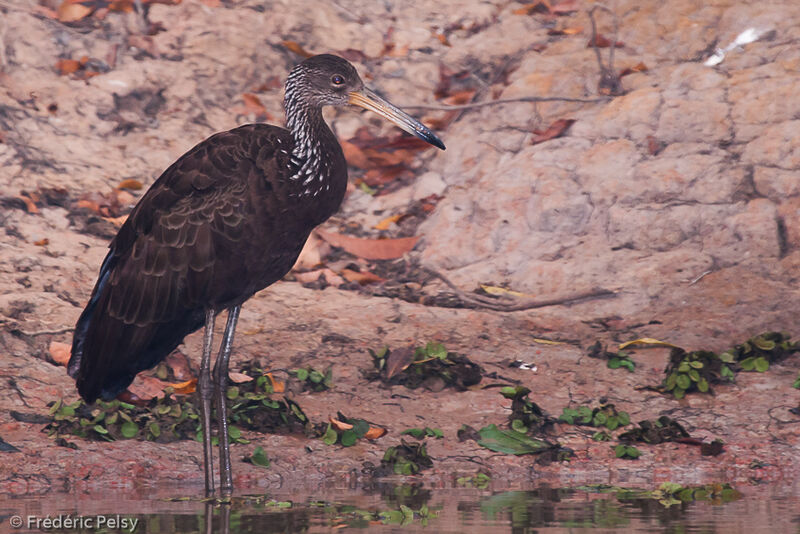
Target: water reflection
(412, 508)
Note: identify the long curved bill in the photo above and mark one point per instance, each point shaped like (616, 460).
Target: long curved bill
(369, 100)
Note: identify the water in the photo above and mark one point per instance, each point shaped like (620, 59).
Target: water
(414, 509)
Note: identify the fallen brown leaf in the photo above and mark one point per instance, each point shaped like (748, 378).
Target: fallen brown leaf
(239, 378)
(253, 104)
(30, 205)
(398, 361)
(296, 48)
(148, 387)
(278, 386)
(67, 66)
(130, 183)
(388, 221)
(640, 67)
(184, 388)
(371, 249)
(362, 277)
(179, 363)
(340, 425)
(556, 129)
(375, 432)
(72, 11)
(565, 31)
(601, 41)
(312, 276)
(312, 254)
(42, 242)
(60, 352)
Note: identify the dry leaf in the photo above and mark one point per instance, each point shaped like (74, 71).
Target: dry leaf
(312, 254)
(556, 129)
(501, 291)
(179, 363)
(239, 378)
(375, 432)
(340, 425)
(60, 352)
(362, 277)
(601, 41)
(371, 249)
(72, 11)
(67, 66)
(565, 31)
(398, 361)
(639, 67)
(312, 276)
(130, 183)
(388, 221)
(184, 388)
(42, 242)
(277, 385)
(148, 387)
(30, 205)
(647, 341)
(547, 341)
(296, 48)
(565, 7)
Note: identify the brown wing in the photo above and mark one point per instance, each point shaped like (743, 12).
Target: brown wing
(187, 246)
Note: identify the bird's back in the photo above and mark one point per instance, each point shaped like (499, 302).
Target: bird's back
(224, 221)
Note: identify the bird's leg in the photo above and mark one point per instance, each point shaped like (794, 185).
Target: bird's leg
(205, 387)
(220, 383)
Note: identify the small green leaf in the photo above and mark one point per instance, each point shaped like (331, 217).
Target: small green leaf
(684, 367)
(315, 376)
(694, 375)
(624, 418)
(129, 429)
(679, 393)
(301, 374)
(349, 438)
(414, 432)
(702, 386)
(696, 364)
(683, 381)
(232, 392)
(519, 426)
(100, 429)
(614, 363)
(671, 381)
(761, 364)
(360, 427)
(259, 457)
(330, 436)
(154, 429)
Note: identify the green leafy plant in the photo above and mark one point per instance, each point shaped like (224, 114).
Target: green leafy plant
(615, 360)
(314, 380)
(695, 371)
(605, 415)
(797, 382)
(259, 458)
(759, 351)
(627, 452)
(407, 458)
(526, 416)
(421, 433)
(510, 441)
(348, 430)
(430, 366)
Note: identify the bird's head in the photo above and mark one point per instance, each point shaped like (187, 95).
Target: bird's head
(328, 80)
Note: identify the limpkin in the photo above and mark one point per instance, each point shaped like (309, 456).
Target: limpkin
(224, 221)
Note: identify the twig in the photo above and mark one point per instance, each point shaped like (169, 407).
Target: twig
(513, 304)
(444, 107)
(62, 330)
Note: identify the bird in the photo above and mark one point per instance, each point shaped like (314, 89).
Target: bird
(225, 220)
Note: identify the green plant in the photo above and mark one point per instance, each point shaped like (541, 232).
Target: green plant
(407, 458)
(797, 382)
(759, 351)
(621, 359)
(605, 415)
(526, 416)
(421, 433)
(430, 366)
(694, 371)
(627, 452)
(314, 380)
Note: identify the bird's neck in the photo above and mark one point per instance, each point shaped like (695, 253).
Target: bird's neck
(313, 142)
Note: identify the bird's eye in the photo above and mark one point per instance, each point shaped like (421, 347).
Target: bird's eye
(337, 79)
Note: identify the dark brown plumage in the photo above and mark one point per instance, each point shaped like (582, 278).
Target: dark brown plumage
(225, 220)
